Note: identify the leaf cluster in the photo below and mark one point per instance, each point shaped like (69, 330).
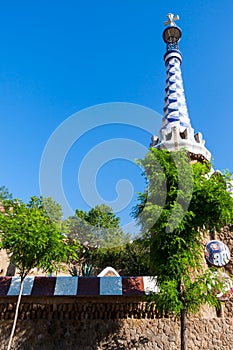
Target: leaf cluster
(197, 292)
(99, 227)
(131, 259)
(31, 238)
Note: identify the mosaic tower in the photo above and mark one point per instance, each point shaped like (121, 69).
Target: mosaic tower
(176, 131)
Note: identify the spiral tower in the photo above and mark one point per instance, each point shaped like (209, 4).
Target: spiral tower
(176, 131)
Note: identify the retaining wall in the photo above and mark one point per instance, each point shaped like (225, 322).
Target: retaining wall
(104, 323)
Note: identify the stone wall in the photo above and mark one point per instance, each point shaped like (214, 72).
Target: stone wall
(121, 334)
(226, 236)
(112, 323)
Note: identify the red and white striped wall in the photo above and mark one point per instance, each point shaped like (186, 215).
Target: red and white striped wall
(78, 286)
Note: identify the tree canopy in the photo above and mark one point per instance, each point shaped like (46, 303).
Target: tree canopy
(181, 203)
(130, 259)
(99, 227)
(31, 238)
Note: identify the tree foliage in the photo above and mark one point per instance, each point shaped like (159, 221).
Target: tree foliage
(4, 193)
(31, 238)
(99, 227)
(181, 202)
(100, 216)
(52, 208)
(131, 259)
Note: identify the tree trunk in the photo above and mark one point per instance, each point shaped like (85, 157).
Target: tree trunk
(221, 311)
(183, 330)
(16, 314)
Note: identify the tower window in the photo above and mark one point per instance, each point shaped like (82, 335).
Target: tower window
(168, 136)
(184, 134)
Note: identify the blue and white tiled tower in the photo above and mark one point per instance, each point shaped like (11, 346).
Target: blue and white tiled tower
(176, 131)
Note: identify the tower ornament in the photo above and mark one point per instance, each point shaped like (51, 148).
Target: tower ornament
(171, 19)
(172, 33)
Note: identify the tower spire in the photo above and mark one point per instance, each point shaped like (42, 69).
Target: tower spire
(176, 131)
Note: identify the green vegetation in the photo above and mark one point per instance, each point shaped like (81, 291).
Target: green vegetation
(4, 193)
(181, 203)
(131, 259)
(99, 228)
(52, 208)
(103, 242)
(31, 240)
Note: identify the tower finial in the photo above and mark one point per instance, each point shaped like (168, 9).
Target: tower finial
(172, 33)
(171, 19)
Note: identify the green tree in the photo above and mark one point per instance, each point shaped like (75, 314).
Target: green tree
(32, 240)
(131, 259)
(181, 203)
(100, 216)
(4, 193)
(99, 227)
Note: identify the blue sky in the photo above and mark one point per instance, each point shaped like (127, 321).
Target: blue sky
(58, 58)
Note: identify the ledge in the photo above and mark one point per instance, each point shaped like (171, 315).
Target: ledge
(78, 286)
